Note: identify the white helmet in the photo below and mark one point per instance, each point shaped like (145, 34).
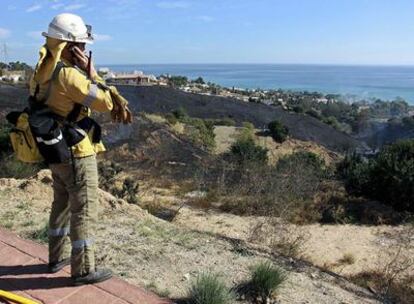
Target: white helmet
(69, 27)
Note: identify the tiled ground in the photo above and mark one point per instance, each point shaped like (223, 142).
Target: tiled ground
(23, 271)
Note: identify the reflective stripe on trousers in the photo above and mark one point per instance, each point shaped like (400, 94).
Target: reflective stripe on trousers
(59, 231)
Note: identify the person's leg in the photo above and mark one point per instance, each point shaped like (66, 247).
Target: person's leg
(59, 219)
(83, 206)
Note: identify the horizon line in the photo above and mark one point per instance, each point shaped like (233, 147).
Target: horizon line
(263, 63)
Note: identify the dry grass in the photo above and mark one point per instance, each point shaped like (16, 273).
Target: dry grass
(347, 259)
(394, 279)
(287, 240)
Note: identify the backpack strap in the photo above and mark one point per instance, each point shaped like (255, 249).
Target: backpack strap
(55, 75)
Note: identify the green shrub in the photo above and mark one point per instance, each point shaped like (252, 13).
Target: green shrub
(265, 279)
(408, 121)
(302, 159)
(180, 114)
(171, 118)
(205, 132)
(225, 122)
(278, 131)
(332, 121)
(177, 81)
(392, 176)
(42, 234)
(314, 114)
(5, 144)
(209, 289)
(298, 109)
(389, 177)
(10, 167)
(356, 173)
(248, 125)
(246, 151)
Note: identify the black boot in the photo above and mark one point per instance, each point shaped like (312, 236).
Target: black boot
(99, 275)
(56, 266)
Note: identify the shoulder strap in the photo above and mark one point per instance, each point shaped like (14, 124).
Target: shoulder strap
(73, 115)
(55, 75)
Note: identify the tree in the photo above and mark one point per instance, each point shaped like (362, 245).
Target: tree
(178, 81)
(199, 80)
(278, 131)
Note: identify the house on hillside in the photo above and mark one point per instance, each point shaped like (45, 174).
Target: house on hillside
(13, 76)
(137, 78)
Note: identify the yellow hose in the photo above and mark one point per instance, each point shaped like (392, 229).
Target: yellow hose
(15, 298)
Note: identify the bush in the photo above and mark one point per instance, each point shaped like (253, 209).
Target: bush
(248, 125)
(209, 289)
(304, 160)
(265, 279)
(225, 122)
(255, 188)
(13, 168)
(356, 173)
(41, 235)
(298, 109)
(314, 114)
(180, 114)
(171, 118)
(246, 151)
(389, 177)
(392, 176)
(332, 121)
(205, 133)
(408, 121)
(278, 131)
(5, 144)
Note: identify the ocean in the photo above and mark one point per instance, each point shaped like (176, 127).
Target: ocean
(362, 82)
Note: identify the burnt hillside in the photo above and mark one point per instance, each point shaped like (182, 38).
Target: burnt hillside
(162, 99)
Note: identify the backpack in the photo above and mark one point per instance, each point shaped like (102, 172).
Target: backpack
(41, 135)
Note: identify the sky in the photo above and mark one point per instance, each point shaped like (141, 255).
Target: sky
(354, 32)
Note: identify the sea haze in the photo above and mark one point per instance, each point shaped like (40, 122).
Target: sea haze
(385, 82)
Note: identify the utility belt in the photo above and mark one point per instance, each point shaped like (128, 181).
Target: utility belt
(41, 135)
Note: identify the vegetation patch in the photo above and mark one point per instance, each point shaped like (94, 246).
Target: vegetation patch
(41, 235)
(264, 281)
(401, 291)
(278, 131)
(209, 289)
(388, 177)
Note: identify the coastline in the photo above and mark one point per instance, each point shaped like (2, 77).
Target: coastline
(355, 82)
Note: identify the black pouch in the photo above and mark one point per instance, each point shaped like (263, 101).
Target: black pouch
(49, 137)
(88, 124)
(73, 134)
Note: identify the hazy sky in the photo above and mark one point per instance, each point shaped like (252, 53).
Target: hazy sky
(223, 31)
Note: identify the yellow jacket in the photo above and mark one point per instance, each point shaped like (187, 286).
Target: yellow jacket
(73, 86)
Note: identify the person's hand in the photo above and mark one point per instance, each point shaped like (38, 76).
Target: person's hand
(81, 61)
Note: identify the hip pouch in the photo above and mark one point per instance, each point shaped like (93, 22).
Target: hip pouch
(49, 137)
(21, 138)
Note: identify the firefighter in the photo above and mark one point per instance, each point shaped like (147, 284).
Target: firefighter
(66, 82)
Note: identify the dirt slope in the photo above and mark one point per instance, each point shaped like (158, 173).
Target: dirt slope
(147, 251)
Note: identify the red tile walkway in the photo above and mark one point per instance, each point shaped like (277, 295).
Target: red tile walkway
(23, 271)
